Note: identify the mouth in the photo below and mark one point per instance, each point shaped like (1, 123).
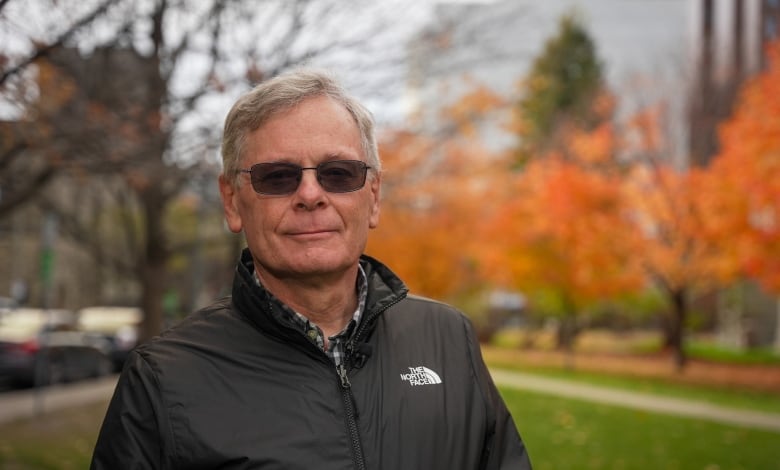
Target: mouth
(311, 234)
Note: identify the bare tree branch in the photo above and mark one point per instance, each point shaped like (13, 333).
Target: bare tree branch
(45, 49)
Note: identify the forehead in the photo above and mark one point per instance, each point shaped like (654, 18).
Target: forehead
(315, 125)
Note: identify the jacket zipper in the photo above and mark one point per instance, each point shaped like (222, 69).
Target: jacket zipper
(348, 398)
(349, 406)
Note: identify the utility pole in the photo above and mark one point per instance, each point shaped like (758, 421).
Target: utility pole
(48, 239)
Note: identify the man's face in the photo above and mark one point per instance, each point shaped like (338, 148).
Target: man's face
(311, 232)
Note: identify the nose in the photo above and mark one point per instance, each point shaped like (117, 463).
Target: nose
(309, 194)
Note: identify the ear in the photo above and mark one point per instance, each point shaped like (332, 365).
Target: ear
(376, 188)
(230, 194)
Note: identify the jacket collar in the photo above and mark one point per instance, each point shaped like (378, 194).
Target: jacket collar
(265, 311)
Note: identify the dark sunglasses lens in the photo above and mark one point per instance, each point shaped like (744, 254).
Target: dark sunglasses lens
(342, 176)
(275, 178)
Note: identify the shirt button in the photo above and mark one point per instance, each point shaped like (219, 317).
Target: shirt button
(312, 334)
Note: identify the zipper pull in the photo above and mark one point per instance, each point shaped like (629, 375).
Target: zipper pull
(342, 371)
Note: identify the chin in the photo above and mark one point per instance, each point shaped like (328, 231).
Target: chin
(326, 263)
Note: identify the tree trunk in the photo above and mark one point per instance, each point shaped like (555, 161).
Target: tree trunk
(777, 326)
(153, 290)
(677, 327)
(666, 326)
(151, 191)
(566, 335)
(154, 263)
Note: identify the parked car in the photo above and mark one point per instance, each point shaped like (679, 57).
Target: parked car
(117, 325)
(41, 347)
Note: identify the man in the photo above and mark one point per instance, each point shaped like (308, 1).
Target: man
(319, 359)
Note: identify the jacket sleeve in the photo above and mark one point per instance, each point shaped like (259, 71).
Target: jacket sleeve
(130, 437)
(503, 446)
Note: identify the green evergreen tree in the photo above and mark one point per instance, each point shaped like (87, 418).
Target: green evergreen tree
(560, 90)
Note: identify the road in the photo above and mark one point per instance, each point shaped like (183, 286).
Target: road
(26, 403)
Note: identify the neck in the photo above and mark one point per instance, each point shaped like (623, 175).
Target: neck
(327, 301)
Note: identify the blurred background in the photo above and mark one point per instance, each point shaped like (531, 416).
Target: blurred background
(594, 183)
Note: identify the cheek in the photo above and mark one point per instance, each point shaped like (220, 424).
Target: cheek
(252, 223)
(259, 223)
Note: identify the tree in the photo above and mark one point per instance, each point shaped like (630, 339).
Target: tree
(435, 190)
(743, 183)
(58, 33)
(563, 230)
(563, 234)
(559, 91)
(705, 228)
(30, 99)
(675, 257)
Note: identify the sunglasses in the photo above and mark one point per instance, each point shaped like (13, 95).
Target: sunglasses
(279, 178)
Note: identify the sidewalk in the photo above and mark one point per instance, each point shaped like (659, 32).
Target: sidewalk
(32, 402)
(636, 400)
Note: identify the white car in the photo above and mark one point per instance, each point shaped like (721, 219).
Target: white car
(118, 325)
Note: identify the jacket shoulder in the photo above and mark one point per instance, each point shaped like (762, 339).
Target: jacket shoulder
(420, 305)
(428, 316)
(193, 332)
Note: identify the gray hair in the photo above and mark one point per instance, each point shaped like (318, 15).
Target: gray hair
(283, 93)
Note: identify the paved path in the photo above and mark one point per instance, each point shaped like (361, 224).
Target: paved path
(31, 402)
(27, 403)
(637, 400)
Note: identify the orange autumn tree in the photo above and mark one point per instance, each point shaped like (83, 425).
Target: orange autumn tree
(676, 258)
(665, 209)
(742, 186)
(564, 232)
(703, 228)
(435, 191)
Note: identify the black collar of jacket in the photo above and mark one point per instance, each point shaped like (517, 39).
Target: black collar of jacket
(265, 311)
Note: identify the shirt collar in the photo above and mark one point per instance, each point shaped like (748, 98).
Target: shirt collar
(306, 325)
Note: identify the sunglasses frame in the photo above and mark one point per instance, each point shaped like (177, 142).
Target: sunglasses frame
(300, 169)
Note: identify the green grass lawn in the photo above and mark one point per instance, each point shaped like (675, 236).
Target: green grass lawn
(61, 440)
(570, 434)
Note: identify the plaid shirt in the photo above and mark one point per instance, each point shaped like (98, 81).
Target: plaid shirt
(337, 342)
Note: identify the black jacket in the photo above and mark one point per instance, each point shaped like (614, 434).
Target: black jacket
(234, 386)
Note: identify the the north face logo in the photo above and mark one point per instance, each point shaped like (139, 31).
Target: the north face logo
(421, 376)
